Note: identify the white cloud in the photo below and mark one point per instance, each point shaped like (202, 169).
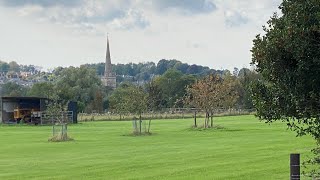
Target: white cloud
(234, 18)
(133, 19)
(186, 7)
(216, 33)
(43, 3)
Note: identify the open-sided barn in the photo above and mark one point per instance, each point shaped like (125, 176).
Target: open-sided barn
(30, 109)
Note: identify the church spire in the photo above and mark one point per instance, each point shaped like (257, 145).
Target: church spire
(108, 68)
(109, 79)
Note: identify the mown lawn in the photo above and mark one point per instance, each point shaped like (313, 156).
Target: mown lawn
(245, 149)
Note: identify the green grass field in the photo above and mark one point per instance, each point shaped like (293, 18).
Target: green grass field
(245, 149)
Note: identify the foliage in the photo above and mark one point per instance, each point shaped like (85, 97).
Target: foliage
(313, 165)
(119, 98)
(210, 93)
(130, 99)
(54, 109)
(172, 86)
(78, 84)
(288, 58)
(246, 78)
(155, 99)
(4, 67)
(98, 101)
(42, 89)
(14, 66)
(144, 72)
(13, 89)
(165, 82)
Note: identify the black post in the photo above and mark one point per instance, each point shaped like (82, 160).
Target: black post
(195, 118)
(73, 106)
(294, 166)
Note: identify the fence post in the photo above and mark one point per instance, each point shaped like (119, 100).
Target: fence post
(294, 166)
(195, 118)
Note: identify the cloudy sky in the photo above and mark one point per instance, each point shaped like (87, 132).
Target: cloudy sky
(50, 33)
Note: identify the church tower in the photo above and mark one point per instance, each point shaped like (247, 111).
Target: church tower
(109, 78)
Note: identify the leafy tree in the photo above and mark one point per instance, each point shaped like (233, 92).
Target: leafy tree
(155, 99)
(29, 68)
(130, 99)
(162, 66)
(98, 101)
(144, 72)
(246, 78)
(13, 89)
(210, 93)
(183, 67)
(42, 89)
(14, 66)
(288, 58)
(173, 86)
(4, 67)
(194, 69)
(119, 98)
(78, 84)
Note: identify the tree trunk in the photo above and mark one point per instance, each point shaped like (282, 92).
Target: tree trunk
(149, 126)
(211, 119)
(206, 120)
(140, 121)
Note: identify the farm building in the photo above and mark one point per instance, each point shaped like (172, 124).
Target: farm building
(30, 109)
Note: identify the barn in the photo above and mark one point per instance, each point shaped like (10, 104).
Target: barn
(15, 109)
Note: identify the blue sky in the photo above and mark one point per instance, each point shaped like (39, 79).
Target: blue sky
(214, 33)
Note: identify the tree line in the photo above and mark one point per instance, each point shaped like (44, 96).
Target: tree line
(14, 67)
(167, 87)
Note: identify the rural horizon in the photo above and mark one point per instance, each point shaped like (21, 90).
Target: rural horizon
(234, 92)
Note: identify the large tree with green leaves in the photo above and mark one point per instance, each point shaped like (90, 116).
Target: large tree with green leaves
(42, 89)
(13, 89)
(4, 67)
(172, 86)
(245, 78)
(288, 57)
(78, 84)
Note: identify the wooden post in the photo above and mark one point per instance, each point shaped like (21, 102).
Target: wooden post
(294, 166)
